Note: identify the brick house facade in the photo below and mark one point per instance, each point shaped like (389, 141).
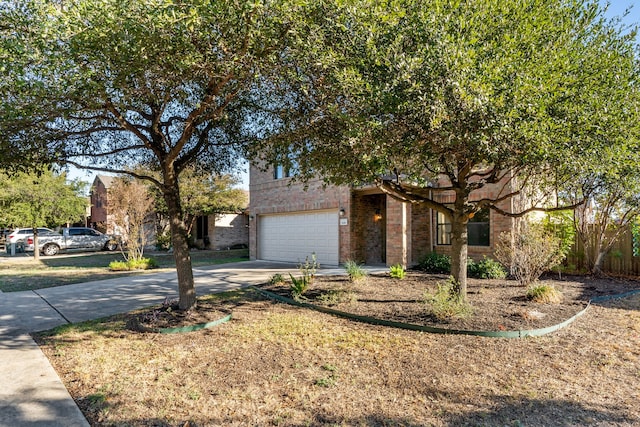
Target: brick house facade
(368, 225)
(100, 218)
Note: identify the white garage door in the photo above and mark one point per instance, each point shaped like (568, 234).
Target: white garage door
(292, 237)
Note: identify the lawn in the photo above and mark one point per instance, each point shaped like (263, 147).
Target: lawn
(22, 274)
(275, 364)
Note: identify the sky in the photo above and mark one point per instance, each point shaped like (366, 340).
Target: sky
(616, 8)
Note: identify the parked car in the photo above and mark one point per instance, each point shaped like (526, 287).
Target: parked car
(72, 238)
(21, 234)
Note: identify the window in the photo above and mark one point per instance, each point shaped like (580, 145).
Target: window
(282, 171)
(443, 230)
(478, 229)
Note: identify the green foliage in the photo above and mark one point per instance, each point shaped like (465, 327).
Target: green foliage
(635, 233)
(276, 279)
(397, 271)
(299, 286)
(546, 294)
(355, 271)
(488, 268)
(562, 226)
(133, 264)
(308, 270)
(435, 263)
(446, 303)
(163, 241)
(40, 199)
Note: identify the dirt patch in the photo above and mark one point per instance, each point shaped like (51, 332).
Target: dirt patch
(280, 365)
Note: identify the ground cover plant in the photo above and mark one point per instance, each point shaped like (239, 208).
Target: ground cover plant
(23, 273)
(277, 364)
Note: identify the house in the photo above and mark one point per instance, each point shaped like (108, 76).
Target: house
(222, 231)
(100, 218)
(343, 223)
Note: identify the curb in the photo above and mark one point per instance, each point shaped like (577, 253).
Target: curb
(429, 329)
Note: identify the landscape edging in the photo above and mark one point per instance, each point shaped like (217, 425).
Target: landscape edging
(424, 328)
(196, 327)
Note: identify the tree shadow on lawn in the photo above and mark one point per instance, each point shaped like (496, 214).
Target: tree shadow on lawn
(506, 412)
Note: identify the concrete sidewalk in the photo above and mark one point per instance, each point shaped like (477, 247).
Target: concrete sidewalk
(31, 393)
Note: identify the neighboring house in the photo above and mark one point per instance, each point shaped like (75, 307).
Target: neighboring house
(362, 224)
(100, 218)
(222, 231)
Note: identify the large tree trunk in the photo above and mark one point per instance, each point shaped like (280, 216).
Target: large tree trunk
(186, 285)
(459, 240)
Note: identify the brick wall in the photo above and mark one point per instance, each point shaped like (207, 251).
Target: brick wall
(229, 230)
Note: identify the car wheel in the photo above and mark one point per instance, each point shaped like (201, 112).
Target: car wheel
(50, 249)
(111, 245)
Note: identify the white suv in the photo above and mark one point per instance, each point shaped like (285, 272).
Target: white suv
(20, 234)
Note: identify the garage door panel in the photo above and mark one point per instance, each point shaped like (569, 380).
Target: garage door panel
(292, 237)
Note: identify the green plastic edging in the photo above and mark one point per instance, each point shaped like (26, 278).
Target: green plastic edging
(618, 296)
(423, 328)
(197, 327)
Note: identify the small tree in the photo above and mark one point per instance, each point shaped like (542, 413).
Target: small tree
(614, 205)
(534, 249)
(131, 204)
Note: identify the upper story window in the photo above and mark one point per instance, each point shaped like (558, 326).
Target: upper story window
(279, 172)
(478, 229)
(285, 171)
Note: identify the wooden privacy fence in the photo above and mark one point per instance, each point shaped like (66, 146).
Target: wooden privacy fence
(619, 260)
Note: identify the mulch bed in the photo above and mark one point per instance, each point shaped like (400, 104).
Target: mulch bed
(498, 304)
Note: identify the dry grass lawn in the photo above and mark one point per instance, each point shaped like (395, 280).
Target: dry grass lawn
(275, 364)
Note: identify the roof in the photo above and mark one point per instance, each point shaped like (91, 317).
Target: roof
(105, 179)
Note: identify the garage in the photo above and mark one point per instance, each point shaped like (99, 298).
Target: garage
(293, 236)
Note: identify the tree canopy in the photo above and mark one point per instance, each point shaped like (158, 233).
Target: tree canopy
(43, 199)
(426, 98)
(107, 84)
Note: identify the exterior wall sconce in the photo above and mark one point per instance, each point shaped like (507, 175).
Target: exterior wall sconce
(251, 217)
(341, 212)
(377, 216)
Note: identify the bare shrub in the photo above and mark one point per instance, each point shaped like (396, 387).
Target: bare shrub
(130, 204)
(532, 250)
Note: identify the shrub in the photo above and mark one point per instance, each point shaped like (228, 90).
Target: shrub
(163, 241)
(435, 263)
(445, 303)
(298, 286)
(534, 250)
(355, 271)
(337, 296)
(546, 294)
(133, 264)
(397, 271)
(488, 268)
(309, 268)
(276, 279)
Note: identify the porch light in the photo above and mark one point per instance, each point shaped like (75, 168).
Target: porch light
(377, 216)
(341, 212)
